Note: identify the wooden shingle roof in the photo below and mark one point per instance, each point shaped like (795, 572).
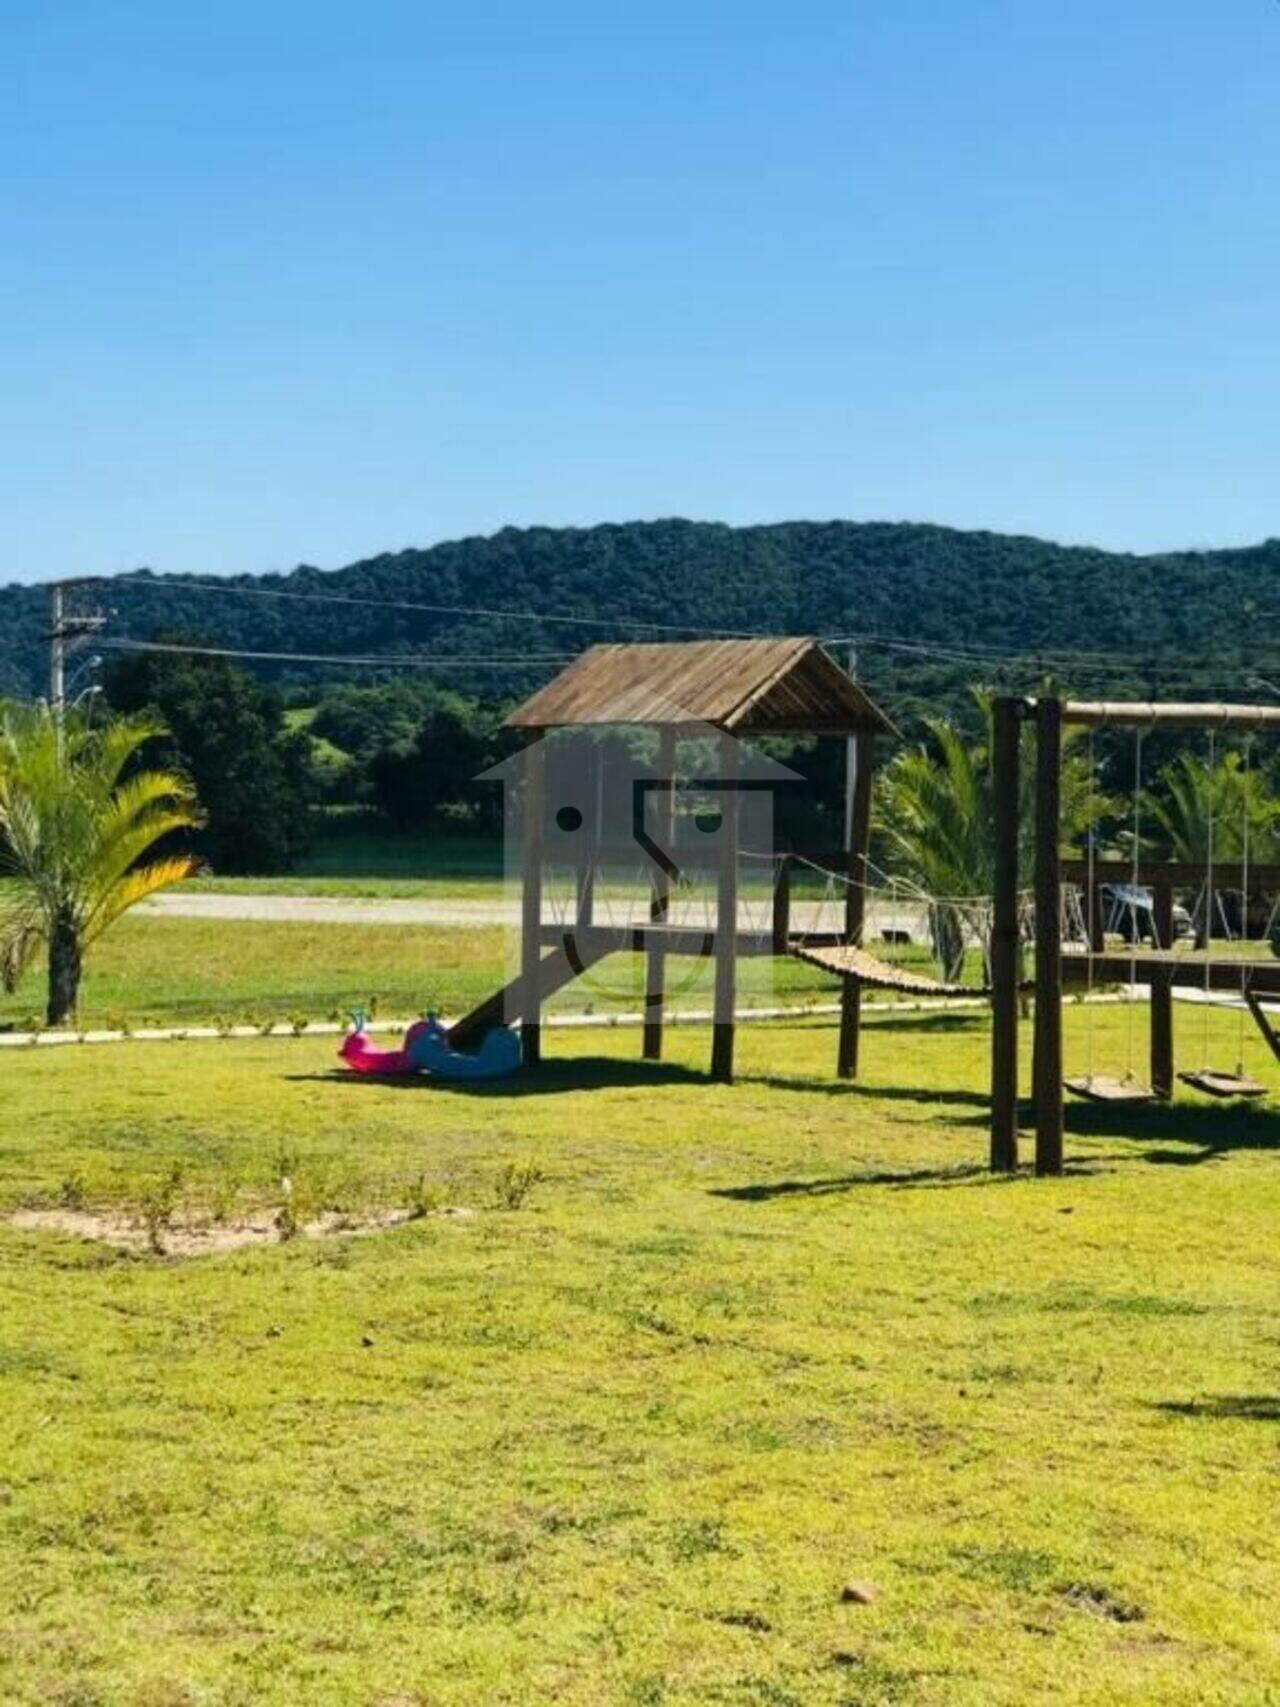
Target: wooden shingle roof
(752, 687)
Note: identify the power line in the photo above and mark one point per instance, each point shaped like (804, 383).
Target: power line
(171, 587)
(976, 647)
(380, 660)
(1027, 662)
(1079, 662)
(965, 653)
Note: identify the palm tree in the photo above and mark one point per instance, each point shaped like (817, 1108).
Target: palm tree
(1189, 798)
(78, 816)
(1196, 809)
(935, 815)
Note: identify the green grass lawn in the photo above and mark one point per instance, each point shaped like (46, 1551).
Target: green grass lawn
(625, 1443)
(161, 971)
(358, 860)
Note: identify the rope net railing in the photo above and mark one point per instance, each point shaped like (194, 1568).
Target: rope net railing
(898, 919)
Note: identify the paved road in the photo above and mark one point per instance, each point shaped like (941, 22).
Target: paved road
(346, 910)
(331, 910)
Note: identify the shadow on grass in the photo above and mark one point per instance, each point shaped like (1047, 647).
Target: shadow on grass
(1255, 1407)
(903, 1179)
(970, 1020)
(767, 1190)
(552, 1078)
(1207, 1132)
(834, 1087)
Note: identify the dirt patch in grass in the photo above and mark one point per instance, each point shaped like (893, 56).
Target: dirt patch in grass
(194, 1238)
(1092, 1597)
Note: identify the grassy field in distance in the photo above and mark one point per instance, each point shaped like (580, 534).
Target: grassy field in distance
(355, 859)
(199, 971)
(626, 1441)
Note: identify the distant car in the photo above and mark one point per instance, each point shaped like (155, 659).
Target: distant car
(1129, 911)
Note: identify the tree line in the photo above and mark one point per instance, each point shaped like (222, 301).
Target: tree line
(927, 586)
(191, 760)
(410, 754)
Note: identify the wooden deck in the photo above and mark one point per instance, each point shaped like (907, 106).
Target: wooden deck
(1180, 969)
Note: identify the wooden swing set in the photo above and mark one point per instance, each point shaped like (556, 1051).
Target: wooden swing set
(1058, 966)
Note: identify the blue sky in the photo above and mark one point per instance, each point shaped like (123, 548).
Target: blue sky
(286, 282)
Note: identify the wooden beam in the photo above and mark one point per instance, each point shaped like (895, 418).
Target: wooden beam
(726, 917)
(1006, 721)
(689, 940)
(1047, 1070)
(660, 899)
(1131, 714)
(1262, 1019)
(1184, 970)
(535, 759)
(855, 905)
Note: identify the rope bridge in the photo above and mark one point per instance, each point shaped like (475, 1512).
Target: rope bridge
(970, 918)
(848, 960)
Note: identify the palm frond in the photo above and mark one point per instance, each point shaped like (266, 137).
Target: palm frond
(140, 883)
(22, 931)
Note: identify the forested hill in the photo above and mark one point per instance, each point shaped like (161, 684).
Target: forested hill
(1209, 618)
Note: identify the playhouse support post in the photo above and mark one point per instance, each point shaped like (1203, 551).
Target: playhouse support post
(660, 899)
(855, 904)
(782, 905)
(1162, 997)
(589, 858)
(531, 903)
(1047, 1070)
(1006, 717)
(726, 915)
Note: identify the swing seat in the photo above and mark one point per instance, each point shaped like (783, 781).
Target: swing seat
(1098, 1087)
(1215, 1084)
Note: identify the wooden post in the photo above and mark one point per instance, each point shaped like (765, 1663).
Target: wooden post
(1097, 919)
(782, 905)
(855, 904)
(726, 915)
(660, 899)
(535, 758)
(1047, 1070)
(586, 889)
(1004, 937)
(1262, 1020)
(589, 858)
(1162, 997)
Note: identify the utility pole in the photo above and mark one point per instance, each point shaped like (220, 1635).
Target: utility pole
(57, 650)
(66, 634)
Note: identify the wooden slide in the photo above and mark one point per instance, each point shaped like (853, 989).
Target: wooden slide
(555, 970)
